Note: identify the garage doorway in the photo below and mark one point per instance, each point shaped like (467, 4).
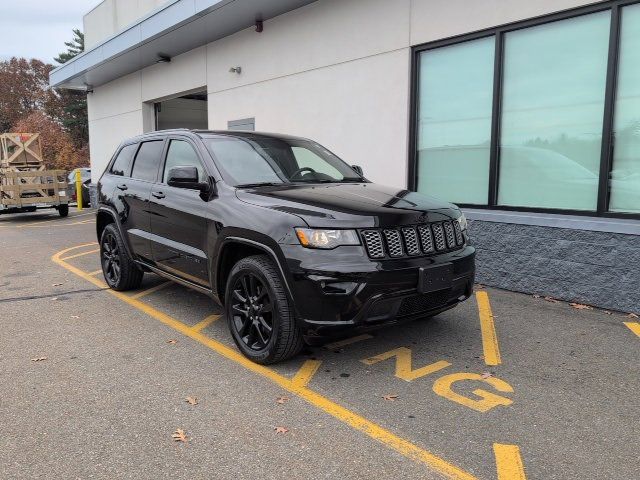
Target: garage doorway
(187, 111)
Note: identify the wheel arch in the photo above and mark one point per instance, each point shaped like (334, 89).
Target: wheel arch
(232, 250)
(106, 216)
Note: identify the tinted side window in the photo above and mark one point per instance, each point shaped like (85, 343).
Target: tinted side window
(182, 154)
(122, 164)
(147, 160)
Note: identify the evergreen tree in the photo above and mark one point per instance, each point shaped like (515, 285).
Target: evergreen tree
(74, 47)
(73, 103)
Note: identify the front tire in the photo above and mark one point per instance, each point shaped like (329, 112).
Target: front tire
(120, 272)
(259, 316)
(63, 210)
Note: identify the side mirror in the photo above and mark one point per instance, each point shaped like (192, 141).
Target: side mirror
(186, 177)
(358, 169)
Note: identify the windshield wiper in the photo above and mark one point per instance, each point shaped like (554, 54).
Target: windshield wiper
(327, 180)
(259, 184)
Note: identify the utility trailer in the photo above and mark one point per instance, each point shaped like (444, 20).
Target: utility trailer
(25, 183)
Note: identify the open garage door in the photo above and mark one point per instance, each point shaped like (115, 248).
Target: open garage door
(188, 111)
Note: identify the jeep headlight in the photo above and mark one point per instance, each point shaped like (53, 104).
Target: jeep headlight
(325, 238)
(462, 221)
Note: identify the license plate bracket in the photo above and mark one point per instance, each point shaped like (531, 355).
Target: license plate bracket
(435, 278)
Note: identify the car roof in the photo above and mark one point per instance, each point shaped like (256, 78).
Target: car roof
(214, 133)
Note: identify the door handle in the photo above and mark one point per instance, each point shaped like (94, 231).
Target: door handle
(158, 194)
(123, 186)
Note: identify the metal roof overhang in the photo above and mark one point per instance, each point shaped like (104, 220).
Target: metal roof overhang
(175, 28)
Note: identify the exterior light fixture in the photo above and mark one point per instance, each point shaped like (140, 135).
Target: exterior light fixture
(237, 70)
(163, 59)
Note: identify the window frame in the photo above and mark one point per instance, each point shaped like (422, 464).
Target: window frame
(606, 154)
(113, 160)
(165, 154)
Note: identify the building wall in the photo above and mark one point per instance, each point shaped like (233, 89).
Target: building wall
(438, 19)
(111, 16)
(344, 83)
(594, 268)
(115, 112)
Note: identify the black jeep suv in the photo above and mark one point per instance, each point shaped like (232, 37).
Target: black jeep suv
(297, 244)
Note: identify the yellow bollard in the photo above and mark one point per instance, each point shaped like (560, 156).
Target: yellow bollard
(79, 189)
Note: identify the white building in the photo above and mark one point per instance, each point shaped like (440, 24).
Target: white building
(525, 112)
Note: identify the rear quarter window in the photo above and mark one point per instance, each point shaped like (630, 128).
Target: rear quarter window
(122, 164)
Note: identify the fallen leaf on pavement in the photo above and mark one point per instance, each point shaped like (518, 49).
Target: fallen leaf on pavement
(281, 429)
(551, 300)
(479, 286)
(535, 295)
(282, 400)
(75, 316)
(487, 375)
(39, 359)
(179, 435)
(607, 312)
(390, 398)
(56, 284)
(580, 306)
(191, 400)
(172, 341)
(632, 315)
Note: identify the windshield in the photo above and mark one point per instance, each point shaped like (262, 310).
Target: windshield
(255, 160)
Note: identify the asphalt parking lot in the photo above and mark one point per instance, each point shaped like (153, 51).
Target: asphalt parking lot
(95, 383)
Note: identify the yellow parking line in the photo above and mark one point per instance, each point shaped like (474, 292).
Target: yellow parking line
(151, 290)
(360, 423)
(488, 329)
(205, 323)
(347, 341)
(95, 272)
(634, 327)
(508, 462)
(81, 254)
(306, 373)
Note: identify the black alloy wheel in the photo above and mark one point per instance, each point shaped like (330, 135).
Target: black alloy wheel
(110, 256)
(252, 310)
(119, 270)
(259, 314)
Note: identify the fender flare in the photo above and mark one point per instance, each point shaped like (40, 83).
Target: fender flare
(268, 250)
(116, 219)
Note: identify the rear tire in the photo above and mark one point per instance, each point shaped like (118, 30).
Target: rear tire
(259, 316)
(63, 210)
(120, 272)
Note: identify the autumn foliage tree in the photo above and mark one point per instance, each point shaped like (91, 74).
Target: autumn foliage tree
(29, 104)
(24, 89)
(58, 149)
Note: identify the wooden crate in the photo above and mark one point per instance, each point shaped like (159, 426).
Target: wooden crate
(33, 187)
(24, 179)
(21, 150)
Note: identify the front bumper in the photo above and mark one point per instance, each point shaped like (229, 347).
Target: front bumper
(337, 292)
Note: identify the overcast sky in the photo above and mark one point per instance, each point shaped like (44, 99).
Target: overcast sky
(39, 28)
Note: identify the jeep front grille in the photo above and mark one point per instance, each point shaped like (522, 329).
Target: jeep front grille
(412, 241)
(373, 243)
(394, 244)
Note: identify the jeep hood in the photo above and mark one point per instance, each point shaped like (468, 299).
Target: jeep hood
(355, 205)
